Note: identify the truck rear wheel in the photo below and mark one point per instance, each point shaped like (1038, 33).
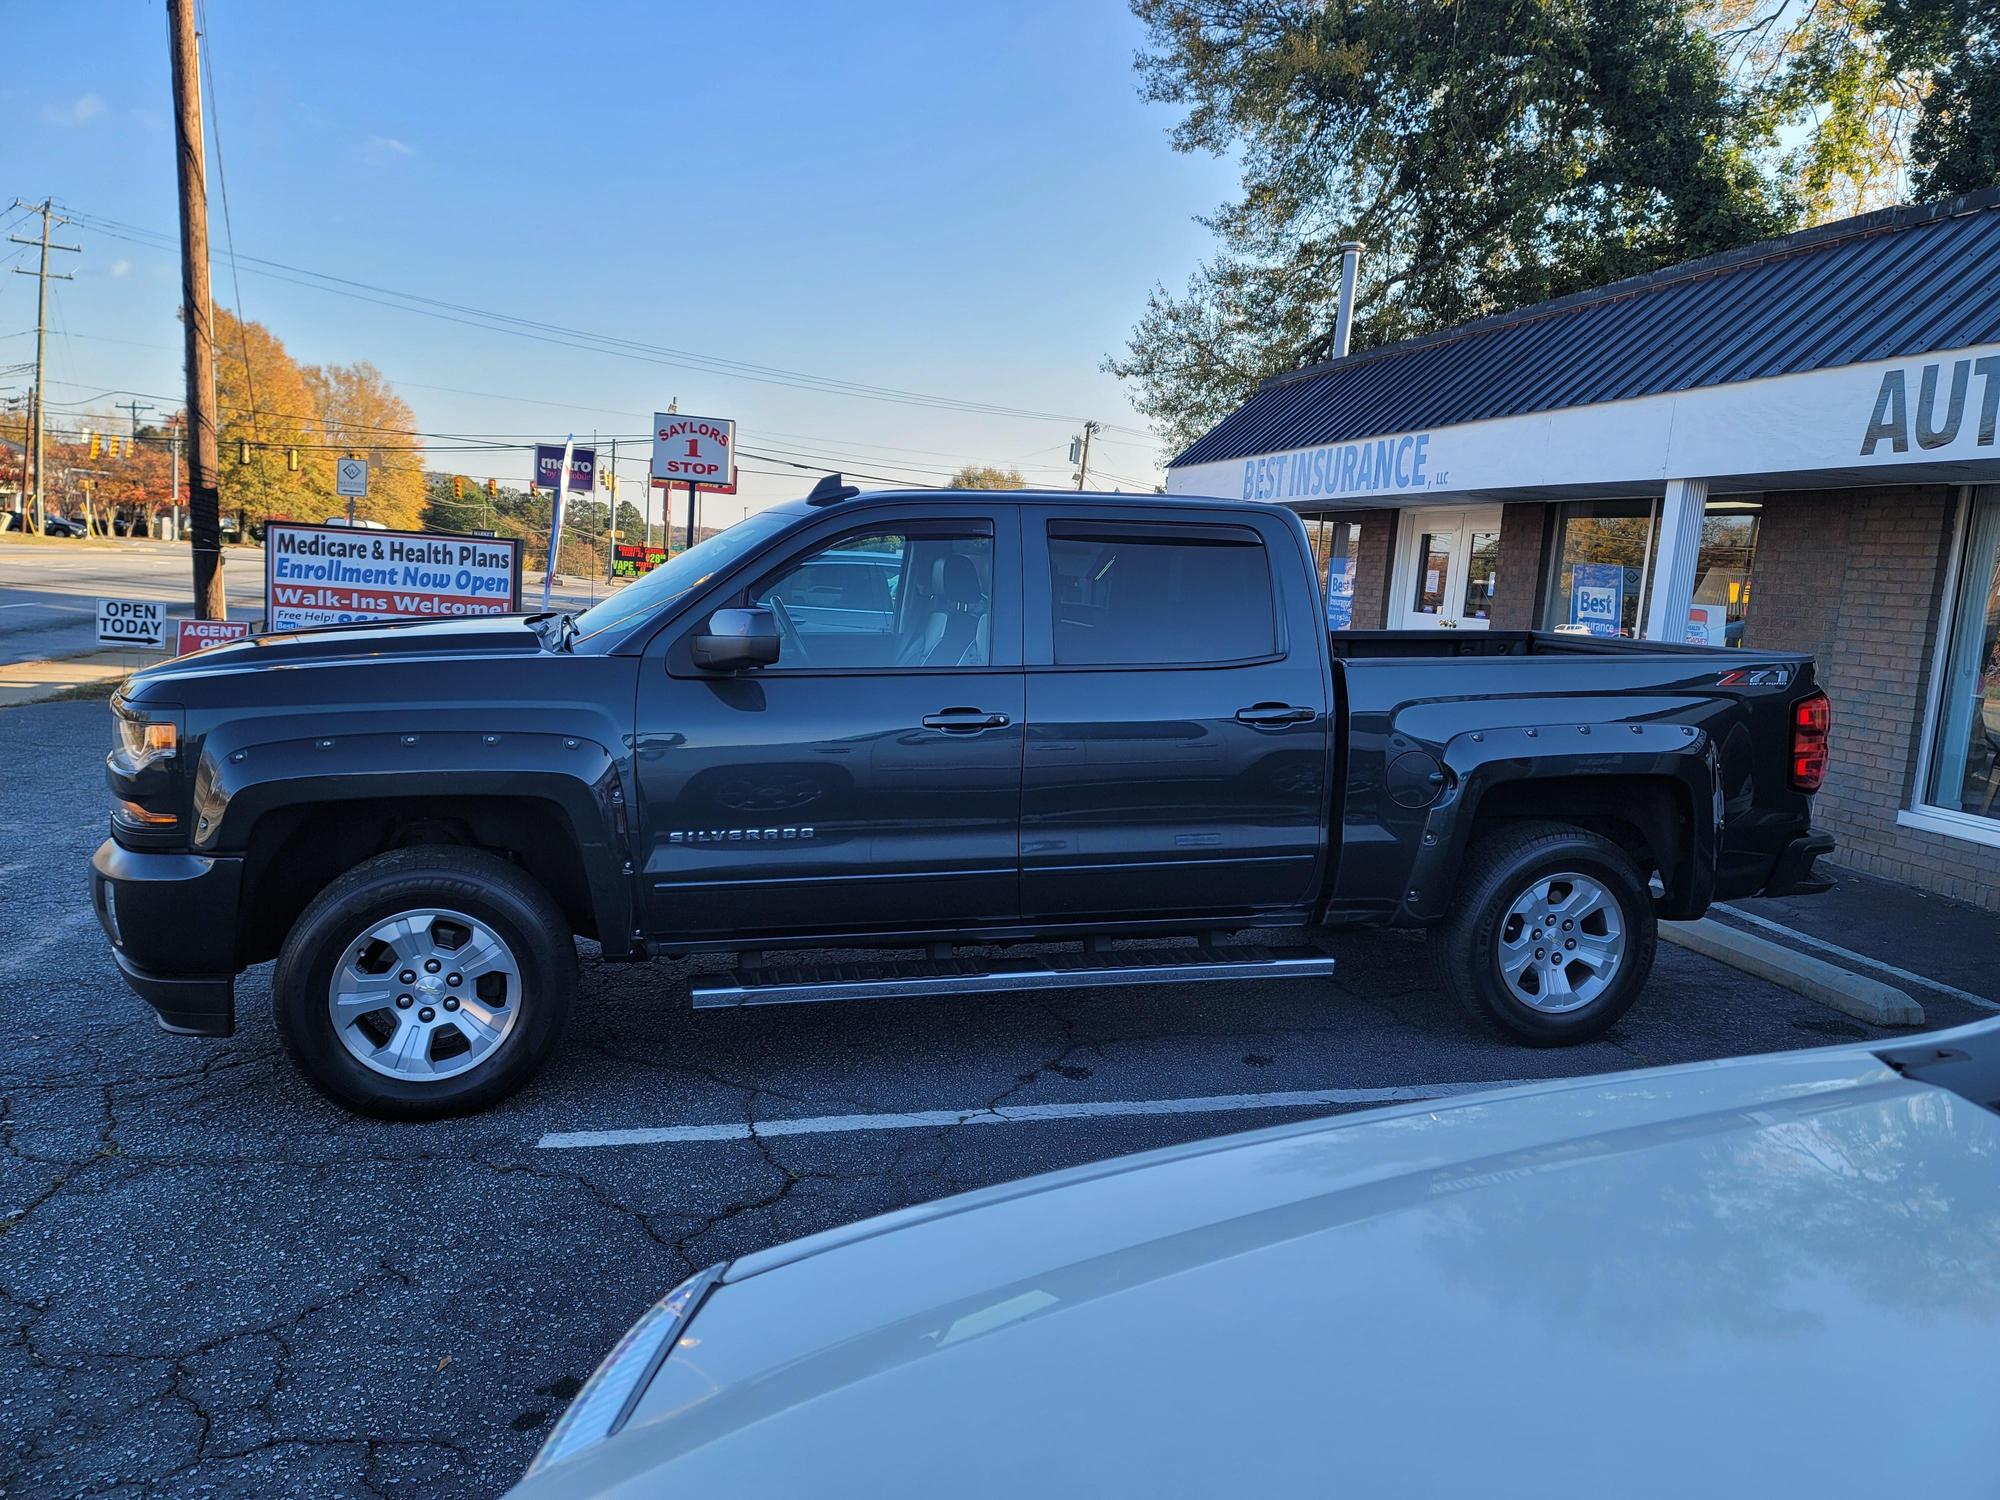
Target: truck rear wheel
(1551, 936)
(425, 982)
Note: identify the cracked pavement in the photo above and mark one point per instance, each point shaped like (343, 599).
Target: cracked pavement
(212, 1282)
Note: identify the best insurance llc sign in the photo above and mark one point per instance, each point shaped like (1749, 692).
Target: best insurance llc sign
(329, 575)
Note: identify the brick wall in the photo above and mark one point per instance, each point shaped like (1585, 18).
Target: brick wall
(1374, 559)
(1517, 594)
(1857, 577)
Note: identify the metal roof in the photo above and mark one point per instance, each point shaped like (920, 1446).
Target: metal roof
(1903, 281)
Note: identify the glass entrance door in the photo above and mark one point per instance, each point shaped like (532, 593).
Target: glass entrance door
(1448, 570)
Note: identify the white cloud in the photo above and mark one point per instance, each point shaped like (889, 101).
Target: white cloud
(121, 269)
(82, 112)
(382, 147)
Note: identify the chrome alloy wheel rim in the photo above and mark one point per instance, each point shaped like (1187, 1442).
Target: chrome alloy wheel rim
(1562, 943)
(425, 995)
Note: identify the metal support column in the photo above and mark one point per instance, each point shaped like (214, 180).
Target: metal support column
(1674, 560)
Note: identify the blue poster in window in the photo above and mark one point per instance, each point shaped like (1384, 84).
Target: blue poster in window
(1597, 597)
(1340, 593)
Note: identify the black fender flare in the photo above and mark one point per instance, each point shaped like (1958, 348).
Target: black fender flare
(238, 784)
(1478, 760)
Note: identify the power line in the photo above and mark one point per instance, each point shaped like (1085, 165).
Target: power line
(564, 335)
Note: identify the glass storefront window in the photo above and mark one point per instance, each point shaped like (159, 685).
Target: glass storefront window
(1603, 569)
(1722, 572)
(1965, 775)
(1601, 556)
(1334, 545)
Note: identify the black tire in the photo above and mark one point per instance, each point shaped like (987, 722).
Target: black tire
(1501, 868)
(483, 887)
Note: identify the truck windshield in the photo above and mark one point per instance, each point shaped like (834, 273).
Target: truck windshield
(681, 572)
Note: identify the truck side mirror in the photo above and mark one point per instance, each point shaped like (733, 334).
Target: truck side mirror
(736, 639)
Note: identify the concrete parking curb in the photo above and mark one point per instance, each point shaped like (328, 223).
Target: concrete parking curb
(1851, 994)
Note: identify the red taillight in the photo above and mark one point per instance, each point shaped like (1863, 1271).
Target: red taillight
(1812, 725)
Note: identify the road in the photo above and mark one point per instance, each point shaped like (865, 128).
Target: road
(212, 1282)
(48, 590)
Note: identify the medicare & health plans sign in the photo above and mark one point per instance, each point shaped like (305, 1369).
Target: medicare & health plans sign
(330, 575)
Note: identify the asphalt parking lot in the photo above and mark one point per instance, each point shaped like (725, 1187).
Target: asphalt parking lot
(212, 1282)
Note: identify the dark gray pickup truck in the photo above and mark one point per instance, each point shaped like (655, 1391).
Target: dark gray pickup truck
(920, 721)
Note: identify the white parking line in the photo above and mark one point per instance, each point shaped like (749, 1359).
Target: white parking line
(1792, 934)
(1013, 1114)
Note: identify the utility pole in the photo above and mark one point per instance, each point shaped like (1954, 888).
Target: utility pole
(1080, 453)
(44, 208)
(134, 407)
(197, 315)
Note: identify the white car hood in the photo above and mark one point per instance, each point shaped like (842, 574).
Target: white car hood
(1765, 1275)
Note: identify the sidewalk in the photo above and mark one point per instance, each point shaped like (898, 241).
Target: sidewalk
(102, 669)
(1945, 953)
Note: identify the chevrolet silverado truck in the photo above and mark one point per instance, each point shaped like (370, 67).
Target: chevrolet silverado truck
(937, 724)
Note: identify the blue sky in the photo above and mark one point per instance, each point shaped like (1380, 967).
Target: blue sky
(970, 201)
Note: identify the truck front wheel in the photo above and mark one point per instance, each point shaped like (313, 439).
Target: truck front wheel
(1551, 936)
(425, 982)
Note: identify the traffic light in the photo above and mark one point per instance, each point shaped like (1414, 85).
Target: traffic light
(292, 459)
(492, 489)
(458, 486)
(243, 450)
(96, 445)
(111, 447)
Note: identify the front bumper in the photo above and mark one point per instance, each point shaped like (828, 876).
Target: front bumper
(171, 919)
(1793, 874)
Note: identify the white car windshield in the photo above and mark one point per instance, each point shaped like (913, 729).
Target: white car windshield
(681, 572)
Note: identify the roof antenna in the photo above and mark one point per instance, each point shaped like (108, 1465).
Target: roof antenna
(830, 491)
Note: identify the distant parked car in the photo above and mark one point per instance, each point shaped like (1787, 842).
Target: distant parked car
(357, 525)
(1658, 1283)
(64, 526)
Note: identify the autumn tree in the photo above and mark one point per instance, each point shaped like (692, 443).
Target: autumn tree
(266, 409)
(986, 477)
(360, 413)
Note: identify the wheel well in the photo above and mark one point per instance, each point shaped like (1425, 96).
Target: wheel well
(296, 852)
(1646, 816)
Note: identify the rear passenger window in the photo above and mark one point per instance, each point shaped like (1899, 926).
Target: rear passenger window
(1145, 597)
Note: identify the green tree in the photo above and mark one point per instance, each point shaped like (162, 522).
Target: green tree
(1489, 153)
(1880, 98)
(986, 477)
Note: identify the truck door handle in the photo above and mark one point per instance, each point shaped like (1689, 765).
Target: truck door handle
(1263, 714)
(964, 720)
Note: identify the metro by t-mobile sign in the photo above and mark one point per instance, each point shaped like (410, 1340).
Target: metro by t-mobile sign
(700, 451)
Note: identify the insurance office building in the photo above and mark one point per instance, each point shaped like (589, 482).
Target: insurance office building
(1788, 447)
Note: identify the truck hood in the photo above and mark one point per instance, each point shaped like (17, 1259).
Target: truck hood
(1659, 1283)
(483, 636)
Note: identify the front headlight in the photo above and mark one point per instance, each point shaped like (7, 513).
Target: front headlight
(608, 1398)
(143, 738)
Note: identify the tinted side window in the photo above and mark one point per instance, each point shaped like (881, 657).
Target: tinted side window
(878, 601)
(1124, 599)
